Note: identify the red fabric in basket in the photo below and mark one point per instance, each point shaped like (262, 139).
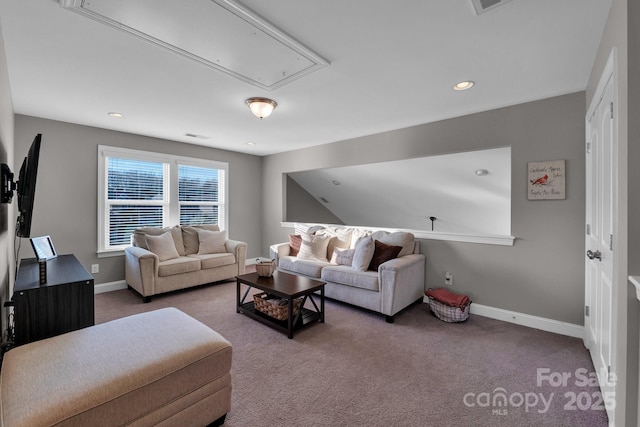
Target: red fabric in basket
(449, 298)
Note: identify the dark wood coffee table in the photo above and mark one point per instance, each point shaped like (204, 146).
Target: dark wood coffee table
(283, 285)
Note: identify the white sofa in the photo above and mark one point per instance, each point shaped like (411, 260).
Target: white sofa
(387, 288)
(167, 259)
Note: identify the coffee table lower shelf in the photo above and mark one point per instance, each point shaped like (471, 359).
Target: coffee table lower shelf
(283, 285)
(306, 318)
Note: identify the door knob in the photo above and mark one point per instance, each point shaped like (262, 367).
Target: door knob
(596, 254)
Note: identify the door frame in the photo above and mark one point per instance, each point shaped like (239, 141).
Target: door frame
(619, 280)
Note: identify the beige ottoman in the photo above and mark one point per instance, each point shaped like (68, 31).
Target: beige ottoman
(157, 368)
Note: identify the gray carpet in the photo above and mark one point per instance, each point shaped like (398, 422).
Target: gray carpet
(358, 370)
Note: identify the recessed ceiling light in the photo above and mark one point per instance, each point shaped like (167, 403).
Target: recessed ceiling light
(335, 182)
(467, 84)
(116, 115)
(482, 172)
(251, 143)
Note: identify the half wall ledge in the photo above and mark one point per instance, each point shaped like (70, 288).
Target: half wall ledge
(486, 239)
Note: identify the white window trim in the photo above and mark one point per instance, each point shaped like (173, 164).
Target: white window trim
(173, 218)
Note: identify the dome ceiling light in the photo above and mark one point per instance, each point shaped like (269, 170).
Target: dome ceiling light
(261, 107)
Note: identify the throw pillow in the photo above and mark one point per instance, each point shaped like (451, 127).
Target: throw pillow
(313, 247)
(140, 236)
(382, 254)
(339, 238)
(363, 254)
(295, 240)
(398, 238)
(190, 237)
(342, 256)
(162, 246)
(211, 242)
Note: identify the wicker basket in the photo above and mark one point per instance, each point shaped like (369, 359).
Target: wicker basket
(447, 313)
(270, 305)
(265, 268)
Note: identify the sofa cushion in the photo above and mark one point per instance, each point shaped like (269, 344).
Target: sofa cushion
(190, 236)
(178, 266)
(163, 246)
(382, 254)
(363, 254)
(314, 247)
(305, 267)
(211, 242)
(214, 260)
(342, 256)
(295, 240)
(356, 235)
(140, 236)
(398, 238)
(339, 237)
(345, 275)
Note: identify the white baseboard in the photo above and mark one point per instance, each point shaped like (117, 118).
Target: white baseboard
(109, 287)
(542, 323)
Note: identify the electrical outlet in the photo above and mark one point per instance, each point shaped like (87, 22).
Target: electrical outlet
(448, 279)
(95, 268)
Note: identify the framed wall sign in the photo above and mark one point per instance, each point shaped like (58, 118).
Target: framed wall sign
(546, 180)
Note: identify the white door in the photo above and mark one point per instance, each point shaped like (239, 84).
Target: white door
(599, 260)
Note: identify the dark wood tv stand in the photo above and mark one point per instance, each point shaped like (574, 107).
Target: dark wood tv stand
(63, 304)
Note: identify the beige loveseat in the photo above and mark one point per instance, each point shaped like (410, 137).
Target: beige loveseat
(167, 259)
(160, 368)
(377, 270)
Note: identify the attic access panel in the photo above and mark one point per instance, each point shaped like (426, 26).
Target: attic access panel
(221, 34)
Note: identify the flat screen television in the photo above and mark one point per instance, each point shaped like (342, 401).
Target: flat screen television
(26, 188)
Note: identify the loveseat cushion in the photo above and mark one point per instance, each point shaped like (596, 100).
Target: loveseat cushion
(346, 275)
(140, 236)
(178, 266)
(163, 246)
(211, 242)
(214, 260)
(190, 236)
(306, 267)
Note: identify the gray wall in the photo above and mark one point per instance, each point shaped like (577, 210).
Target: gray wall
(543, 273)
(303, 207)
(66, 192)
(7, 212)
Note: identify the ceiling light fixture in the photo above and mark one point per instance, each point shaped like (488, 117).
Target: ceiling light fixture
(482, 172)
(115, 115)
(261, 107)
(467, 84)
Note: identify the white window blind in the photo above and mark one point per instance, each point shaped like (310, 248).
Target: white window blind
(142, 189)
(199, 195)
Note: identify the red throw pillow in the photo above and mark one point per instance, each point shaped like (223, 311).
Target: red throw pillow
(295, 240)
(382, 254)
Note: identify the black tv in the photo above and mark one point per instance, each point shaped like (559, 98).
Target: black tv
(26, 188)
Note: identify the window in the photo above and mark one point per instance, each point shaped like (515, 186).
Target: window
(143, 189)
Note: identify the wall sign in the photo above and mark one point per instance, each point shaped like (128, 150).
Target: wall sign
(546, 180)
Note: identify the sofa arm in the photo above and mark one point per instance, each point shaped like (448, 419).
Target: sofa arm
(239, 249)
(141, 270)
(279, 250)
(401, 282)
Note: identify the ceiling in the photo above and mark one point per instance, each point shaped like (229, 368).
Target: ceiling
(446, 187)
(389, 65)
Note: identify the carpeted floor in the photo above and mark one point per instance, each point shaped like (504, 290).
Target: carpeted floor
(358, 370)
